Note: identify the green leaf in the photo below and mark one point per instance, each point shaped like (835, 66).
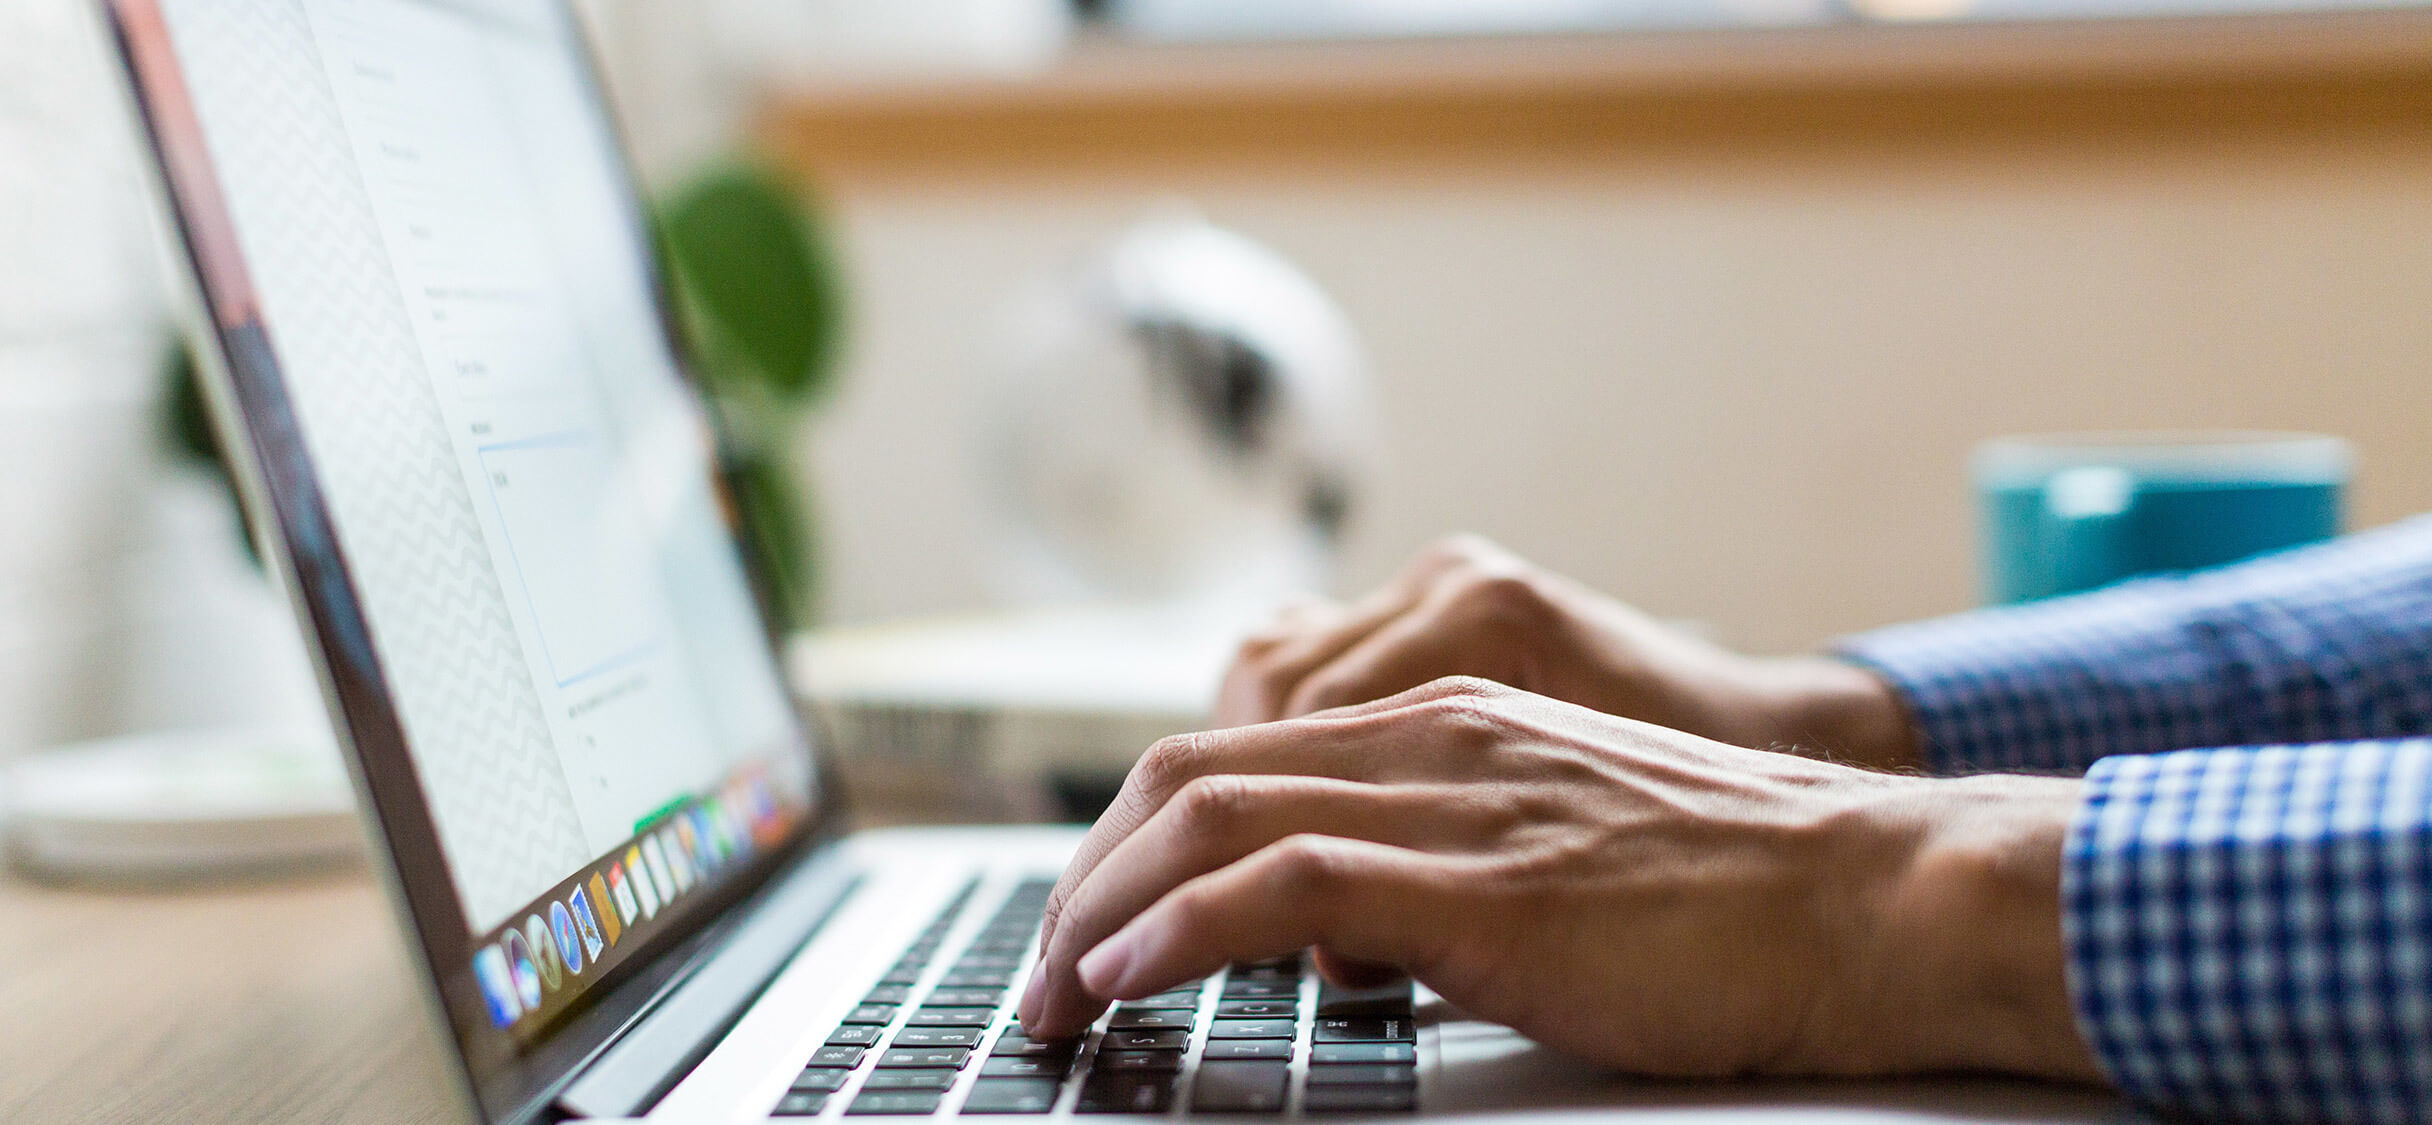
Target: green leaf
(758, 282)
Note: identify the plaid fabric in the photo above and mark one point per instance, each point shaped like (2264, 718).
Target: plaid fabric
(2250, 930)
(2249, 926)
(2324, 644)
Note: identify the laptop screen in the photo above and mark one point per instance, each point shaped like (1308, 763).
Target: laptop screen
(421, 254)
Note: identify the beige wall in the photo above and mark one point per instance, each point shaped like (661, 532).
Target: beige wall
(1734, 378)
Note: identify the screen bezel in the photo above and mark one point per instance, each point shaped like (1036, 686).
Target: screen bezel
(246, 386)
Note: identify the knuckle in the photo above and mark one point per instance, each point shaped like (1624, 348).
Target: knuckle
(1502, 596)
(1457, 695)
(1307, 867)
(1213, 803)
(1168, 763)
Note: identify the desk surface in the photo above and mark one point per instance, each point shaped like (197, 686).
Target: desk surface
(284, 1003)
(294, 1003)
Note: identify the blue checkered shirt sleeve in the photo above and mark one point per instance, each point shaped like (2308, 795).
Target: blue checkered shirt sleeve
(2248, 919)
(2325, 644)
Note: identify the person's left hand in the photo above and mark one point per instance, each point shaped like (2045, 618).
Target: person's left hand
(1619, 891)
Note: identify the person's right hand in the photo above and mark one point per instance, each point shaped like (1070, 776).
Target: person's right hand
(1466, 607)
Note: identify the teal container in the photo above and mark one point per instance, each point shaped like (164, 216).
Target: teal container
(2070, 512)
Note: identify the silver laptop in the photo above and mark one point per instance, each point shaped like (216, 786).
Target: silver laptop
(467, 438)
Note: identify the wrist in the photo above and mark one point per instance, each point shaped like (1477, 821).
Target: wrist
(1834, 709)
(1963, 960)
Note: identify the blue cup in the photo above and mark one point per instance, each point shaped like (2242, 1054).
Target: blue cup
(2071, 512)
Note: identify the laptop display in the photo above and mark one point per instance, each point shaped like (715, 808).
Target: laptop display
(435, 296)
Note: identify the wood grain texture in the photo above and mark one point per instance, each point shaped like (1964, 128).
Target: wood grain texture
(257, 1004)
(1109, 109)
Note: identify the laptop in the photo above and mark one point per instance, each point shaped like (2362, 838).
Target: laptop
(442, 362)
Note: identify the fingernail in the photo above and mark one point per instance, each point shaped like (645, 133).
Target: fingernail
(1104, 967)
(1031, 994)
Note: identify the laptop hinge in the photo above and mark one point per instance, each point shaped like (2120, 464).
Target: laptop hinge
(633, 1073)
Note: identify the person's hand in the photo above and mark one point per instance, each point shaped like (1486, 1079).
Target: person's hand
(1628, 894)
(1466, 607)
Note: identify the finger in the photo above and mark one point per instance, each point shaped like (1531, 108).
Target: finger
(1416, 648)
(1347, 972)
(1221, 819)
(1327, 744)
(1258, 683)
(1369, 902)
(1349, 747)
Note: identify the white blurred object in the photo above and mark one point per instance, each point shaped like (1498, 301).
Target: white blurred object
(1184, 417)
(205, 640)
(178, 805)
(818, 42)
(983, 715)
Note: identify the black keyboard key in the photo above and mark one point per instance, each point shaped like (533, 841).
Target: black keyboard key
(801, 1103)
(1387, 1000)
(1323, 1054)
(1364, 1074)
(965, 998)
(894, 1102)
(1388, 1030)
(1278, 972)
(1253, 1029)
(937, 1037)
(1361, 1099)
(889, 994)
(1257, 1010)
(1240, 1087)
(1021, 1046)
(1010, 1066)
(1261, 989)
(989, 961)
(1233, 1049)
(951, 1017)
(900, 976)
(1012, 1095)
(871, 1013)
(1171, 1001)
(1164, 1039)
(910, 1080)
(1130, 1019)
(1127, 1093)
(1117, 1062)
(854, 1035)
(846, 1057)
(900, 1058)
(821, 1079)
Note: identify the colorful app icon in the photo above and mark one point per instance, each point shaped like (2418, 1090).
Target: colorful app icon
(569, 942)
(523, 969)
(620, 891)
(662, 879)
(672, 843)
(608, 919)
(497, 986)
(688, 841)
(586, 923)
(716, 830)
(544, 951)
(645, 894)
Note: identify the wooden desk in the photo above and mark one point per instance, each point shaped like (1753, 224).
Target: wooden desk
(270, 1003)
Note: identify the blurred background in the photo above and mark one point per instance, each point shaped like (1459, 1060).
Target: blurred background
(1702, 301)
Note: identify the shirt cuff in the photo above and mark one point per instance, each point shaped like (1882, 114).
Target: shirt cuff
(2249, 931)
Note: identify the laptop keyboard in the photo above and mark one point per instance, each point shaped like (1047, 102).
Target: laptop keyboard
(1261, 1039)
